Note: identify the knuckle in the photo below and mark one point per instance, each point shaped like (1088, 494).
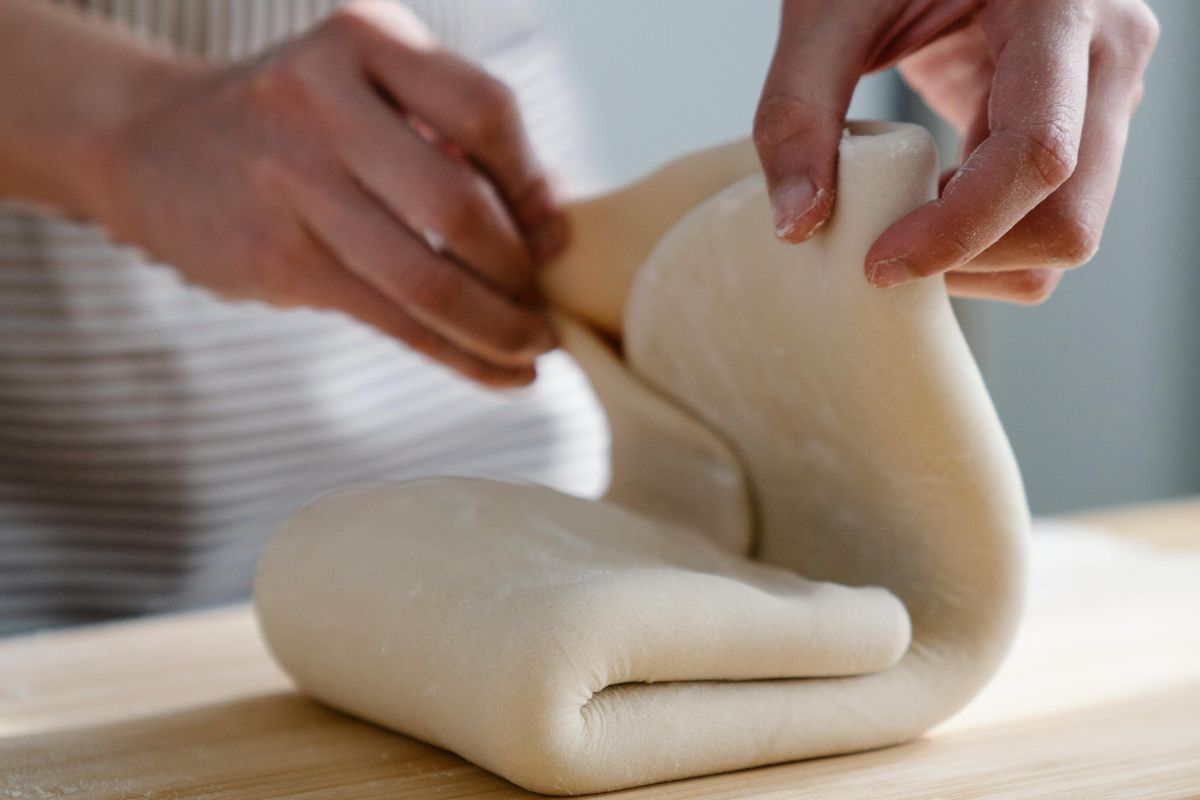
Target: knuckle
(459, 213)
(959, 249)
(285, 80)
(1129, 40)
(1051, 148)
(436, 291)
(782, 117)
(454, 221)
(1077, 242)
(1034, 286)
(954, 246)
(492, 110)
(1140, 28)
(291, 89)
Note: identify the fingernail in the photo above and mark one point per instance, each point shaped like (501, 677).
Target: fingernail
(548, 238)
(792, 200)
(890, 272)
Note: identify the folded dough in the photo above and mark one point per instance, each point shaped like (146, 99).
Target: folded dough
(773, 403)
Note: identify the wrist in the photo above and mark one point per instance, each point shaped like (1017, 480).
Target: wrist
(66, 84)
(99, 148)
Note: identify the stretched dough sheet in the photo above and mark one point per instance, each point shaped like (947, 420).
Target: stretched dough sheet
(813, 544)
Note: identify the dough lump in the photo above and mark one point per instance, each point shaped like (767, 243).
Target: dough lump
(813, 543)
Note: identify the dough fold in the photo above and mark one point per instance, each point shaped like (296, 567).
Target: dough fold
(771, 404)
(531, 631)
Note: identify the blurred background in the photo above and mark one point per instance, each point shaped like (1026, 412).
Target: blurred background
(1099, 388)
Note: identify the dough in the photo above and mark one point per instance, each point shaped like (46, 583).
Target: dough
(612, 234)
(664, 463)
(773, 404)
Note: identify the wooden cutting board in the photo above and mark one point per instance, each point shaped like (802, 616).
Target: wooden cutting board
(1100, 699)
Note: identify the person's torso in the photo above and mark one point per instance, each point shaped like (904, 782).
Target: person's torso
(152, 436)
(229, 30)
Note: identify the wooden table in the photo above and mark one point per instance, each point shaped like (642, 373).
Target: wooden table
(1100, 699)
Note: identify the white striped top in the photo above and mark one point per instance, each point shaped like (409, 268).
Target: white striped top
(152, 437)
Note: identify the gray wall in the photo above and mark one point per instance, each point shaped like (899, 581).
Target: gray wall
(663, 77)
(1100, 387)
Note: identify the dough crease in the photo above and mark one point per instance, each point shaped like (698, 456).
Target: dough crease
(770, 403)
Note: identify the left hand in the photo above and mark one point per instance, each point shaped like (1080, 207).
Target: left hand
(1042, 92)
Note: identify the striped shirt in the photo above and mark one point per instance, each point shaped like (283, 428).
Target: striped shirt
(152, 437)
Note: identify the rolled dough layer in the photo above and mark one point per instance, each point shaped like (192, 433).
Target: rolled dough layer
(773, 404)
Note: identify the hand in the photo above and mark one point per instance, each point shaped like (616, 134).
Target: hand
(318, 174)
(1042, 92)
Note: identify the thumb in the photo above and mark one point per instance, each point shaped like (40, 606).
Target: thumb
(821, 52)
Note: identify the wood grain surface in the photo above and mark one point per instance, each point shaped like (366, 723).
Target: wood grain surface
(1100, 699)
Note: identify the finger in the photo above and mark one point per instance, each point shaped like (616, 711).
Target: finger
(1037, 109)
(1027, 286)
(305, 274)
(1064, 231)
(464, 104)
(817, 63)
(480, 115)
(952, 74)
(536, 213)
(439, 294)
(432, 191)
(333, 287)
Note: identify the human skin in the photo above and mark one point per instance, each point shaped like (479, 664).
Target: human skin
(317, 174)
(1041, 91)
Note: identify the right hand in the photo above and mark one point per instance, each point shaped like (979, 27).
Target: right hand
(313, 176)
(1041, 91)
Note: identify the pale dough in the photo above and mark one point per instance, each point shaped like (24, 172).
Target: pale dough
(773, 404)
